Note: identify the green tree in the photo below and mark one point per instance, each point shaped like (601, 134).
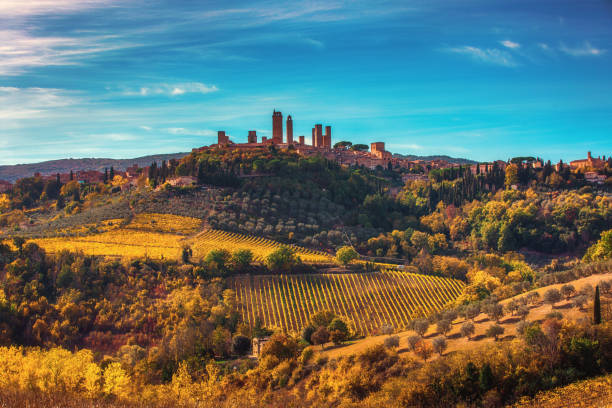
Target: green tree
(218, 260)
(346, 254)
(241, 345)
(283, 259)
(242, 259)
(486, 378)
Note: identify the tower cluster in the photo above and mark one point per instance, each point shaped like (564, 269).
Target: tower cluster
(320, 140)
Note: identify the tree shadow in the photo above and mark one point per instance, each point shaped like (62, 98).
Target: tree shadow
(482, 320)
(454, 336)
(511, 320)
(478, 337)
(506, 338)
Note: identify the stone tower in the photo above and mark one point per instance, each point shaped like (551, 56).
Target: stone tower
(327, 137)
(277, 127)
(318, 135)
(289, 130)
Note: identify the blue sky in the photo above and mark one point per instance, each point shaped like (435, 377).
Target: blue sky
(482, 79)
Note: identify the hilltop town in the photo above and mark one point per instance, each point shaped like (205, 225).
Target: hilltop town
(344, 153)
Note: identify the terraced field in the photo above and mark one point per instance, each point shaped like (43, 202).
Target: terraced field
(368, 300)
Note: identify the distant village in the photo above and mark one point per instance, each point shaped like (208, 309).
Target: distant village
(343, 153)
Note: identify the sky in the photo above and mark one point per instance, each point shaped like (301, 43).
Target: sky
(481, 79)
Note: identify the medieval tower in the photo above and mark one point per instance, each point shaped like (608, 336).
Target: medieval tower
(277, 127)
(289, 130)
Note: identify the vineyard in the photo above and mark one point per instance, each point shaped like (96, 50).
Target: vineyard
(163, 236)
(368, 300)
(261, 247)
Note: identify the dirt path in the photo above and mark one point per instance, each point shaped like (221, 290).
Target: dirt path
(481, 323)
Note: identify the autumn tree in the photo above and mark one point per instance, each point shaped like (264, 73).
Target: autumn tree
(320, 336)
(423, 349)
(439, 344)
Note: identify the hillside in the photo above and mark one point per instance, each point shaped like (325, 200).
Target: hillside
(482, 322)
(449, 159)
(14, 172)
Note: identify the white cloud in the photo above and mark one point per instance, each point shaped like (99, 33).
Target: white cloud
(489, 55)
(191, 132)
(173, 90)
(147, 128)
(586, 50)
(510, 44)
(116, 137)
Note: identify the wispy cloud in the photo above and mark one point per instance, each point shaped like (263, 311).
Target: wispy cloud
(28, 103)
(173, 89)
(20, 51)
(510, 44)
(585, 50)
(488, 55)
(20, 8)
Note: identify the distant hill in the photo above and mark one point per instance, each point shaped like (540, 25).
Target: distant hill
(14, 172)
(455, 160)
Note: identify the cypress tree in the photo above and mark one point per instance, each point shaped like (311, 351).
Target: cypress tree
(112, 173)
(597, 307)
(485, 378)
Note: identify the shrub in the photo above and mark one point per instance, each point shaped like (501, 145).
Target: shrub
(523, 312)
(552, 296)
(568, 291)
(494, 331)
(579, 301)
(467, 329)
(392, 342)
(412, 341)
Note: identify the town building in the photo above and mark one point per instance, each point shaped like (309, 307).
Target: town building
(589, 163)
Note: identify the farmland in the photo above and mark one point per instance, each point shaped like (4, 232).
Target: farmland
(162, 236)
(368, 300)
